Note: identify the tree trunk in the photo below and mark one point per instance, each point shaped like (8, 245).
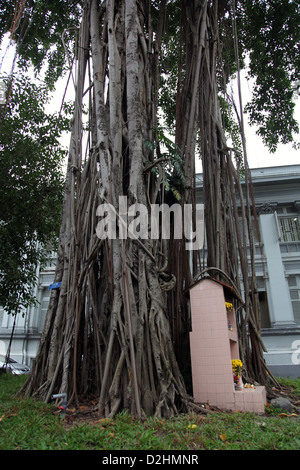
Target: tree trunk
(107, 329)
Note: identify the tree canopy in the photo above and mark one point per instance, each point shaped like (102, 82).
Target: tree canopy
(46, 32)
(269, 34)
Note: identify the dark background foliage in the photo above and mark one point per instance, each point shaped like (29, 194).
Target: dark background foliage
(31, 187)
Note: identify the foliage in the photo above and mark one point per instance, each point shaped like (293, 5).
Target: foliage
(270, 35)
(171, 54)
(231, 127)
(31, 187)
(44, 32)
(168, 155)
(268, 48)
(31, 425)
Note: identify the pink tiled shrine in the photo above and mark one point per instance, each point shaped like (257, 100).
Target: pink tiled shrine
(213, 346)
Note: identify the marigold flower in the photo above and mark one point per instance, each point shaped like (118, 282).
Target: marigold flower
(229, 305)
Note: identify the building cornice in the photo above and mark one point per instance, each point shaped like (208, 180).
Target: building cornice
(287, 173)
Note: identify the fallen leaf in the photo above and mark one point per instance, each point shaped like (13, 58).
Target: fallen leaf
(192, 426)
(71, 410)
(223, 437)
(2, 417)
(104, 421)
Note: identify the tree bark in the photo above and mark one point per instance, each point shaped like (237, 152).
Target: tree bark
(107, 329)
(115, 327)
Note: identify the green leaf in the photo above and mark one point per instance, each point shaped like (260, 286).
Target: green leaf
(31, 189)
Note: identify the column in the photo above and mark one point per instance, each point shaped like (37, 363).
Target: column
(281, 313)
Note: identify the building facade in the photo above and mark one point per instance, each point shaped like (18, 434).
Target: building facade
(23, 331)
(277, 264)
(277, 261)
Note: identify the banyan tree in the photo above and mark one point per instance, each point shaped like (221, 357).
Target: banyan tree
(118, 325)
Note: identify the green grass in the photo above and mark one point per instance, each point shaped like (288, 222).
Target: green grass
(31, 425)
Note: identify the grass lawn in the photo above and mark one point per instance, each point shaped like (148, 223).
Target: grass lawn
(32, 425)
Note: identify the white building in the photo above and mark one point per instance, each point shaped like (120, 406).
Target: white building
(277, 262)
(277, 199)
(27, 327)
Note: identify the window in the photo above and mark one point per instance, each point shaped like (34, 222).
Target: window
(289, 229)
(264, 310)
(43, 307)
(263, 305)
(294, 286)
